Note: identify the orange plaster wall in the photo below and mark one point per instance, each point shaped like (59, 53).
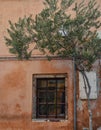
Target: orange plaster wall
(16, 94)
(12, 10)
(82, 109)
(16, 80)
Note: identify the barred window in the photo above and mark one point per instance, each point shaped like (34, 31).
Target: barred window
(50, 98)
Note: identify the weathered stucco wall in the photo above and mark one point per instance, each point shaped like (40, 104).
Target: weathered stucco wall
(82, 106)
(16, 94)
(16, 80)
(12, 10)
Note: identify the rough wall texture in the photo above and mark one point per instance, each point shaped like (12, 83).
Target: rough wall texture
(12, 10)
(16, 94)
(16, 80)
(82, 109)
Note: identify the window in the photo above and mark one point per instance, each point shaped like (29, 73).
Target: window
(49, 97)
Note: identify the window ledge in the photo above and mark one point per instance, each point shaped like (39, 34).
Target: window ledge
(49, 120)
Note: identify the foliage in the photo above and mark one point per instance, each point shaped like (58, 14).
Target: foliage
(20, 37)
(59, 33)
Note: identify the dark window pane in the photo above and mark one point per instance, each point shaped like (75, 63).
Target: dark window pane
(42, 100)
(52, 83)
(41, 83)
(61, 97)
(51, 97)
(61, 110)
(42, 94)
(60, 83)
(41, 97)
(52, 109)
(60, 101)
(42, 110)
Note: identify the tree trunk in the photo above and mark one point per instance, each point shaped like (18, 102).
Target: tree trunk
(87, 91)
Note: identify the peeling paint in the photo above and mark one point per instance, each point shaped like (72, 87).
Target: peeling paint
(79, 105)
(98, 114)
(60, 64)
(93, 105)
(16, 94)
(16, 80)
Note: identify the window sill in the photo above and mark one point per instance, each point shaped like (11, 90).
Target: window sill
(49, 120)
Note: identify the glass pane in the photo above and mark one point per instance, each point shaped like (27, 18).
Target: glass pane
(42, 100)
(61, 97)
(60, 83)
(41, 94)
(52, 83)
(51, 109)
(42, 83)
(61, 110)
(51, 97)
(59, 101)
(42, 110)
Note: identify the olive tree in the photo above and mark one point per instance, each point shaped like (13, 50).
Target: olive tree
(60, 33)
(20, 37)
(56, 31)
